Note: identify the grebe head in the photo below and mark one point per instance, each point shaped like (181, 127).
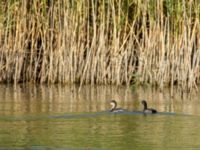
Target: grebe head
(113, 103)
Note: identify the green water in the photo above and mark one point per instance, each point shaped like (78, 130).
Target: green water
(56, 117)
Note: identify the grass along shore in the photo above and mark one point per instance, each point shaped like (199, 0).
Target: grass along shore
(101, 42)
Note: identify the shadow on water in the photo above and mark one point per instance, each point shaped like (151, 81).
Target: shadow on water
(84, 115)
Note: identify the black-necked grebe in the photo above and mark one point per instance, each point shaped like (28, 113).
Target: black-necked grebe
(148, 110)
(114, 108)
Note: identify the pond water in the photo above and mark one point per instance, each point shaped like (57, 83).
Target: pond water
(40, 117)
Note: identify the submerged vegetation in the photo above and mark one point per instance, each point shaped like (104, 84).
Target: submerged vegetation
(101, 42)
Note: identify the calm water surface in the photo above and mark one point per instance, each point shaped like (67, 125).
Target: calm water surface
(61, 117)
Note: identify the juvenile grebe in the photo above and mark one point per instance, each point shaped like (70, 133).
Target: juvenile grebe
(114, 108)
(148, 110)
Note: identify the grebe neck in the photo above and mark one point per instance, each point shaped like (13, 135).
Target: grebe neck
(113, 105)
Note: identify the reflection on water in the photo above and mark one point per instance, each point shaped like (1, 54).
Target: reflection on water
(39, 99)
(60, 117)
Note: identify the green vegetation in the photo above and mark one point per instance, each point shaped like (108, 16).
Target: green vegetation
(101, 42)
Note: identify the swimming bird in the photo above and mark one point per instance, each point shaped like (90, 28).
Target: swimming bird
(114, 108)
(146, 109)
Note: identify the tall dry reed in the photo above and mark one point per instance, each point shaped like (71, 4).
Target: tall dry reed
(101, 42)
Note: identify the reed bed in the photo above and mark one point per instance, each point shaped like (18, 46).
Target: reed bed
(101, 42)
